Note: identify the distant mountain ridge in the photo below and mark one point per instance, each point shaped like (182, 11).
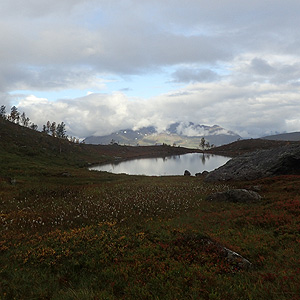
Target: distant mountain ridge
(291, 136)
(185, 134)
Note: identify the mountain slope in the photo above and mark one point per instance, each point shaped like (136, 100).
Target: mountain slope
(180, 134)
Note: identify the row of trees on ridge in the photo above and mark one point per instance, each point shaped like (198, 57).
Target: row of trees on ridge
(51, 128)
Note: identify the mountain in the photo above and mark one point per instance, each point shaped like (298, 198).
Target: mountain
(181, 134)
(292, 136)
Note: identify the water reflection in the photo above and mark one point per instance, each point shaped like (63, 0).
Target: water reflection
(170, 165)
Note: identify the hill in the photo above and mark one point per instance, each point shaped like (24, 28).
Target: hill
(246, 146)
(292, 136)
(180, 134)
(21, 147)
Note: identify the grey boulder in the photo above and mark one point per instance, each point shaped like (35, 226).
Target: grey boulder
(236, 196)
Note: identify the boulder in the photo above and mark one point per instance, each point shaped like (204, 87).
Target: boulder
(208, 245)
(204, 173)
(232, 257)
(187, 173)
(236, 196)
(236, 259)
(283, 160)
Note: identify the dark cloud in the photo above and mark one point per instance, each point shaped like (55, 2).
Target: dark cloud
(259, 70)
(194, 75)
(261, 67)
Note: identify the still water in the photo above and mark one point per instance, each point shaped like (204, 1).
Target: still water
(171, 165)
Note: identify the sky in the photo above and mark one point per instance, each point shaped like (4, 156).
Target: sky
(102, 65)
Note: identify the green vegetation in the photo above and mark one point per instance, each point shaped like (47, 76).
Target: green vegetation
(69, 233)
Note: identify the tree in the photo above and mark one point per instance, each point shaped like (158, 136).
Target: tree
(24, 120)
(53, 129)
(33, 126)
(14, 115)
(61, 131)
(202, 143)
(48, 126)
(3, 112)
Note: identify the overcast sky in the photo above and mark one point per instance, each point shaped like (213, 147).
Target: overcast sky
(103, 65)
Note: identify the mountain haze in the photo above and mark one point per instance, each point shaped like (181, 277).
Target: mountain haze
(180, 134)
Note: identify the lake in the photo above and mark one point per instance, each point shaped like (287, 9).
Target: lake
(163, 166)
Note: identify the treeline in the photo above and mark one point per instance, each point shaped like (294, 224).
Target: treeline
(16, 117)
(51, 128)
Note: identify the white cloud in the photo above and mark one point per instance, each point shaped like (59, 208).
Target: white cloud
(232, 63)
(253, 111)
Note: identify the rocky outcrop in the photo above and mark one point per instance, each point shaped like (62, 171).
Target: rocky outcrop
(236, 196)
(259, 164)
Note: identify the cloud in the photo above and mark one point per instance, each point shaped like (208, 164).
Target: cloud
(252, 112)
(261, 66)
(39, 8)
(232, 63)
(194, 75)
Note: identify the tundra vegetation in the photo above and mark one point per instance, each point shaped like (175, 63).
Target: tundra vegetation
(70, 233)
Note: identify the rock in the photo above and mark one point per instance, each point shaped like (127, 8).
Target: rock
(232, 257)
(236, 259)
(13, 181)
(206, 244)
(236, 196)
(205, 173)
(66, 174)
(277, 161)
(256, 188)
(187, 173)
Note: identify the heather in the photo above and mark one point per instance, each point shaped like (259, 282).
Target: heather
(70, 233)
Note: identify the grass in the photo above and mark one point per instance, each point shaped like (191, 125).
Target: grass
(69, 233)
(131, 237)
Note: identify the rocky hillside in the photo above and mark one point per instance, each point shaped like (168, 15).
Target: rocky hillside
(264, 163)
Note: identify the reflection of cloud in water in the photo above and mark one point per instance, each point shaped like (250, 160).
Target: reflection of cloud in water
(172, 165)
